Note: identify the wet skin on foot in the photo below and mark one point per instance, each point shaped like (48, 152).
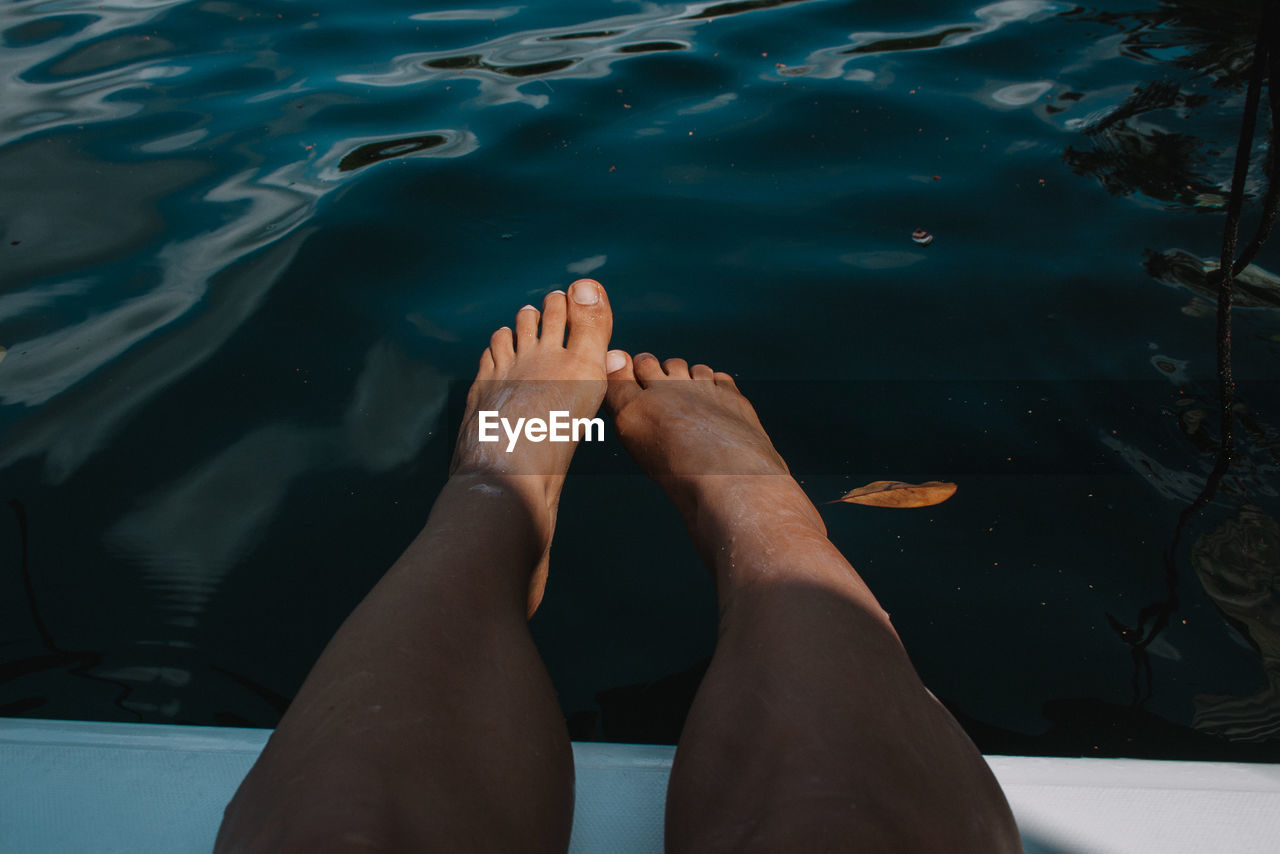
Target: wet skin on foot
(693, 431)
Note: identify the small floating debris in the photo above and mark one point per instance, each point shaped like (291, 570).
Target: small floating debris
(2, 352)
(1199, 307)
(895, 493)
(1174, 369)
(922, 237)
(1191, 419)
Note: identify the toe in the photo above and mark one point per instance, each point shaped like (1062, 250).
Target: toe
(724, 379)
(502, 347)
(487, 365)
(677, 369)
(622, 380)
(526, 327)
(590, 319)
(554, 312)
(701, 372)
(618, 360)
(647, 369)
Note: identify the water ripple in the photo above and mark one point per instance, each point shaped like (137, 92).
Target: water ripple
(832, 62)
(353, 154)
(501, 66)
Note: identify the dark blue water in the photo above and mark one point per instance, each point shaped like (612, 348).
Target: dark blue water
(249, 254)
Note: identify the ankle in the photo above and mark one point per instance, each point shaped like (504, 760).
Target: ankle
(482, 500)
(769, 506)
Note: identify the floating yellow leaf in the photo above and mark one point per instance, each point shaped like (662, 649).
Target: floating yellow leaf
(895, 493)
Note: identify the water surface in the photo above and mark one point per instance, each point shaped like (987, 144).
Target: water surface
(250, 252)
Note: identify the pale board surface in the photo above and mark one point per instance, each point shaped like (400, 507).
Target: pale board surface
(70, 786)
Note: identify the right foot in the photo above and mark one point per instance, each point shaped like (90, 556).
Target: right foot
(693, 432)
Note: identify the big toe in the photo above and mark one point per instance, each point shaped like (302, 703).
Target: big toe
(590, 319)
(622, 380)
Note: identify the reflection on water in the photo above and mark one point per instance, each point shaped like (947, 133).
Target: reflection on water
(501, 66)
(1254, 286)
(75, 424)
(247, 250)
(191, 533)
(832, 62)
(372, 152)
(1236, 563)
(1135, 148)
(60, 222)
(504, 66)
(445, 143)
(1239, 566)
(63, 70)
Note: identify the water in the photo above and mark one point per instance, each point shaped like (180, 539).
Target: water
(250, 253)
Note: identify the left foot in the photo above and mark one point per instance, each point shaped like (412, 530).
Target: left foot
(554, 360)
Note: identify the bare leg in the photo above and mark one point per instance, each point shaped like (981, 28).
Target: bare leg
(811, 730)
(429, 722)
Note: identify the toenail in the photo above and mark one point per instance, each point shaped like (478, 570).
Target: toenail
(529, 308)
(615, 360)
(585, 293)
(557, 291)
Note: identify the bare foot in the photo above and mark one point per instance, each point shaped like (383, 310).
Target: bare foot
(847, 749)
(528, 373)
(693, 432)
